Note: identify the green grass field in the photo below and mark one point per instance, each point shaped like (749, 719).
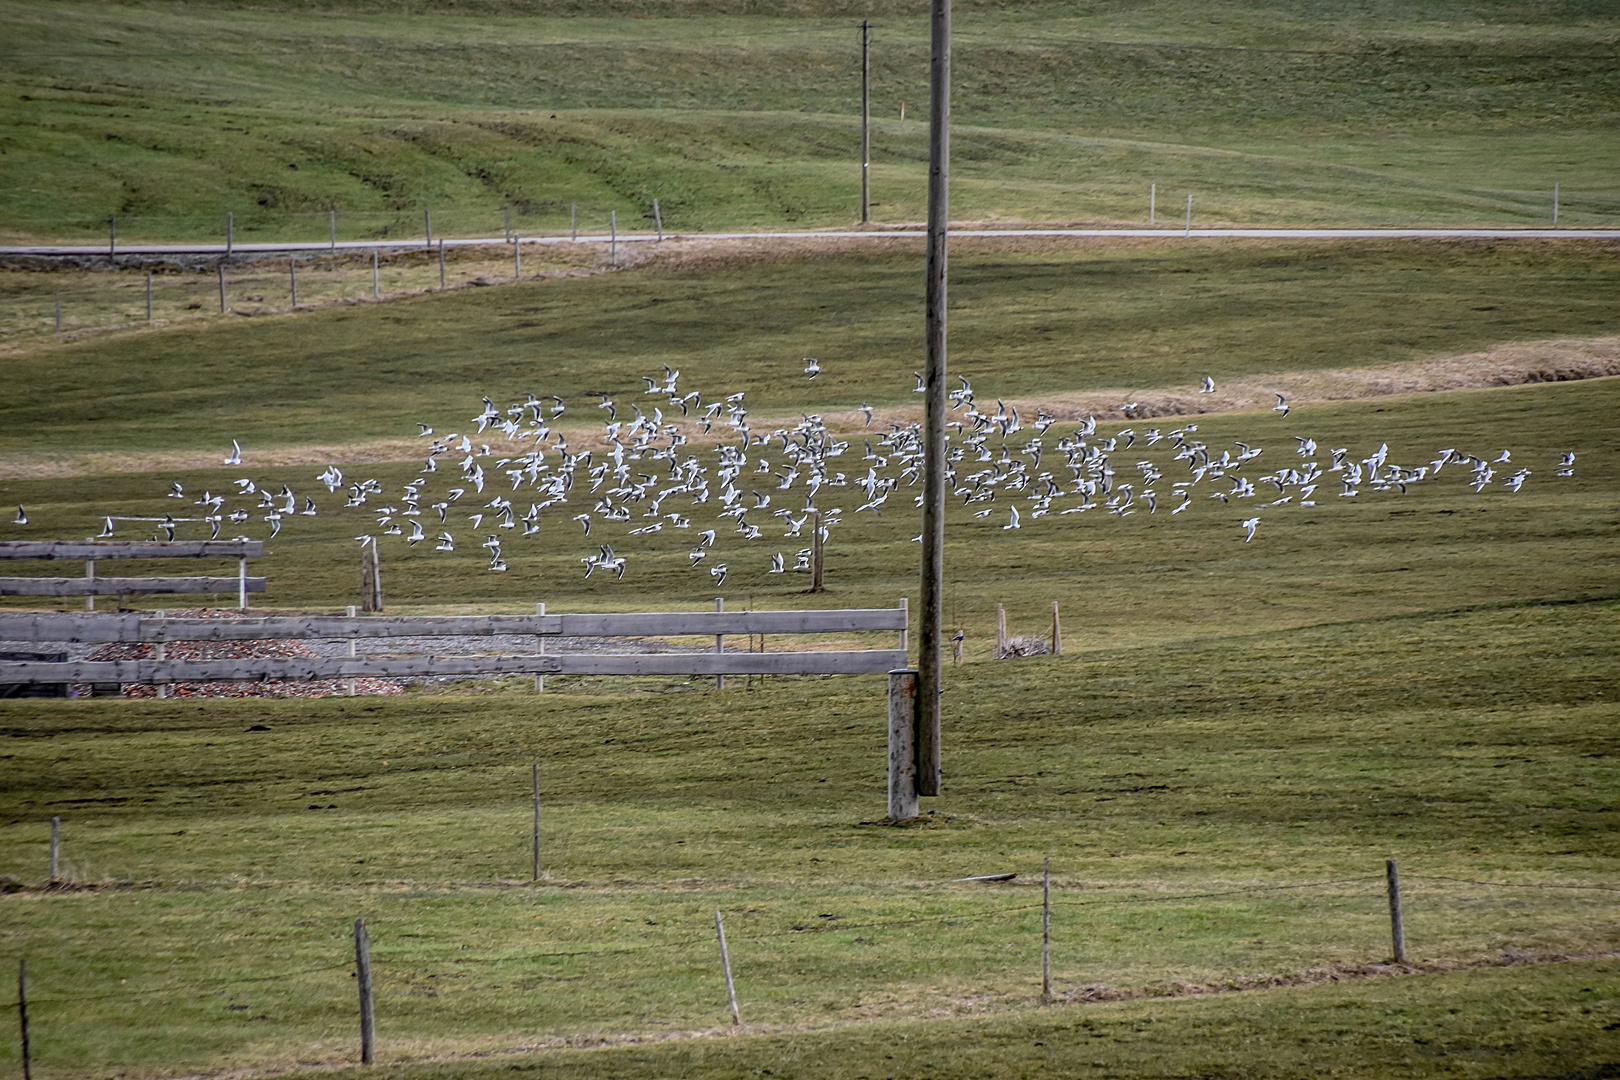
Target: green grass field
(171, 115)
(1235, 739)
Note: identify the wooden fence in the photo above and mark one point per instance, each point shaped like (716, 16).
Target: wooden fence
(92, 551)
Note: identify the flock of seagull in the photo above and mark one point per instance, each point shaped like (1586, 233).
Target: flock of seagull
(741, 488)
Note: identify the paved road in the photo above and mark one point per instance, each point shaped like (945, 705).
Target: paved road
(876, 235)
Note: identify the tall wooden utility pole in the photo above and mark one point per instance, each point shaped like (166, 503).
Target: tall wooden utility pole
(930, 632)
(866, 122)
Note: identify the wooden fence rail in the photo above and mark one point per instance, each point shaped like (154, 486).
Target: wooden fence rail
(92, 551)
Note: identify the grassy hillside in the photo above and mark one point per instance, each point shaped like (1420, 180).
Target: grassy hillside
(1025, 321)
(170, 115)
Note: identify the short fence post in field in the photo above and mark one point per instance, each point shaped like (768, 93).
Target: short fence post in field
(160, 652)
(1397, 932)
(658, 219)
(1057, 631)
(905, 631)
(902, 744)
(1001, 632)
(517, 257)
(613, 237)
(22, 1017)
(362, 970)
(90, 575)
(536, 768)
(1188, 230)
(441, 264)
(334, 229)
(56, 848)
(1555, 204)
(540, 647)
(719, 643)
(376, 282)
(292, 278)
(1153, 197)
(573, 221)
(725, 962)
(866, 121)
(817, 576)
(230, 232)
(112, 236)
(221, 288)
(58, 312)
(148, 297)
(427, 227)
(241, 584)
(1046, 930)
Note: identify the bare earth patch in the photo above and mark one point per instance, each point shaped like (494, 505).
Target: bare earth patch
(1502, 365)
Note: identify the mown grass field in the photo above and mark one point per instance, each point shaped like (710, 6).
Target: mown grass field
(171, 115)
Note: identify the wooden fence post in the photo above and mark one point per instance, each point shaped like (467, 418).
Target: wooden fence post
(719, 644)
(905, 631)
(22, 1017)
(56, 848)
(334, 230)
(725, 962)
(902, 744)
(362, 968)
(658, 219)
(90, 576)
(222, 288)
(1397, 931)
(376, 279)
(427, 227)
(230, 232)
(292, 276)
(160, 651)
(376, 578)
(540, 647)
(1057, 631)
(241, 583)
(348, 684)
(573, 221)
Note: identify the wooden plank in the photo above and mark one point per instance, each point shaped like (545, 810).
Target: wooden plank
(87, 628)
(125, 586)
(853, 662)
(860, 662)
(131, 549)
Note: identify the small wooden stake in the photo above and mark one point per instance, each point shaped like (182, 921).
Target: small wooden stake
(376, 281)
(1397, 931)
(1046, 930)
(536, 821)
(292, 277)
(1555, 204)
(90, 575)
(22, 1017)
(334, 229)
(441, 264)
(1057, 631)
(905, 631)
(540, 647)
(230, 232)
(1188, 231)
(222, 288)
(56, 848)
(725, 962)
(348, 684)
(427, 227)
(517, 257)
(573, 221)
(362, 966)
(658, 219)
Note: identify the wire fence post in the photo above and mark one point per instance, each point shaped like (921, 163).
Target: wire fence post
(719, 643)
(56, 848)
(725, 962)
(22, 1017)
(517, 257)
(573, 221)
(1187, 231)
(902, 772)
(1397, 931)
(334, 229)
(1046, 929)
(292, 278)
(376, 281)
(536, 768)
(221, 269)
(658, 219)
(427, 227)
(362, 968)
(441, 264)
(230, 232)
(112, 236)
(817, 567)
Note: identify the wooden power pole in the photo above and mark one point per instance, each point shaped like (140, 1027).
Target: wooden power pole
(866, 122)
(930, 632)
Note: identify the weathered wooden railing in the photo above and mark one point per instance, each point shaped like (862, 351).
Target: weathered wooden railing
(93, 551)
(109, 628)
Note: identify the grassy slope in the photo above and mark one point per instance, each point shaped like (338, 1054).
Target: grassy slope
(171, 115)
(1023, 322)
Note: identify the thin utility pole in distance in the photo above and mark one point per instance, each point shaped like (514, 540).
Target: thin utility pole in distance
(866, 122)
(930, 633)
